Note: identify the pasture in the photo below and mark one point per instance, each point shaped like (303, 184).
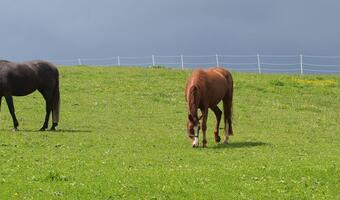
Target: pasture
(122, 135)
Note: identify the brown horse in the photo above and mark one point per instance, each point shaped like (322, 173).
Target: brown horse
(204, 90)
(20, 79)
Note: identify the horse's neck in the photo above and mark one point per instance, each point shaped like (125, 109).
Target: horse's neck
(193, 99)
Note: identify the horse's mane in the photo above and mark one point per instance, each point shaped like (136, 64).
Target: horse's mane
(198, 79)
(194, 88)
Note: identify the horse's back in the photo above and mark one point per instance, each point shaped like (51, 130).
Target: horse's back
(217, 84)
(214, 83)
(20, 79)
(46, 73)
(42, 67)
(212, 77)
(220, 71)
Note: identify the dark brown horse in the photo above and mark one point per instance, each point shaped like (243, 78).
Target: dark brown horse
(20, 79)
(204, 90)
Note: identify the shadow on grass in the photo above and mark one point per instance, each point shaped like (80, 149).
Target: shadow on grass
(48, 131)
(240, 145)
(72, 131)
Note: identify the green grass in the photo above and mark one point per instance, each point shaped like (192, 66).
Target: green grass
(122, 135)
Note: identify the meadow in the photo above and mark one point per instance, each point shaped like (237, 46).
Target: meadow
(122, 135)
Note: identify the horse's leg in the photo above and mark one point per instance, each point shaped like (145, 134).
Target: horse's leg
(55, 105)
(228, 130)
(204, 126)
(48, 99)
(218, 114)
(10, 105)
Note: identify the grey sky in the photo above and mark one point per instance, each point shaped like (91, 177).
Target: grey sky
(61, 29)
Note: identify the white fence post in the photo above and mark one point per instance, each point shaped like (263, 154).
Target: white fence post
(301, 64)
(118, 60)
(182, 62)
(217, 61)
(153, 60)
(259, 63)
(79, 61)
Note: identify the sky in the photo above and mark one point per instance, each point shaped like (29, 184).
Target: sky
(66, 29)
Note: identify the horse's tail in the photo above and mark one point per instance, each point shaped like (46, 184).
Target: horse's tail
(231, 94)
(229, 102)
(56, 102)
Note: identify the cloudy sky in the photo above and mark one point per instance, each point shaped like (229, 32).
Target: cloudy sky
(63, 29)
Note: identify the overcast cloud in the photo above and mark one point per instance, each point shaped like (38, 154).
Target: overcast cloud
(62, 29)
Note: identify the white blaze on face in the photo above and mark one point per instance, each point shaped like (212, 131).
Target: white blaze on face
(195, 143)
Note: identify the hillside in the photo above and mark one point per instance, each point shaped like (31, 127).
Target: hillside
(122, 135)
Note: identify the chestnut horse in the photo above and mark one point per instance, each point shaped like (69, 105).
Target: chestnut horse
(20, 79)
(204, 90)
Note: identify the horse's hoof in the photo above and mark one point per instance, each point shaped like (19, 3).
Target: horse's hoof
(53, 129)
(15, 129)
(204, 143)
(218, 139)
(226, 142)
(42, 129)
(195, 145)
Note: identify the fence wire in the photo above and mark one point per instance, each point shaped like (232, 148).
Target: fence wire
(246, 63)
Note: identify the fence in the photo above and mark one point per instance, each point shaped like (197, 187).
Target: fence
(302, 64)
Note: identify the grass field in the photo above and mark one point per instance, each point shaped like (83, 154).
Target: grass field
(122, 135)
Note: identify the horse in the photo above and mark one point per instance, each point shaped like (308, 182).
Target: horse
(21, 79)
(205, 89)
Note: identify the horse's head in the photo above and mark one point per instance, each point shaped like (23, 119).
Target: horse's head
(193, 127)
